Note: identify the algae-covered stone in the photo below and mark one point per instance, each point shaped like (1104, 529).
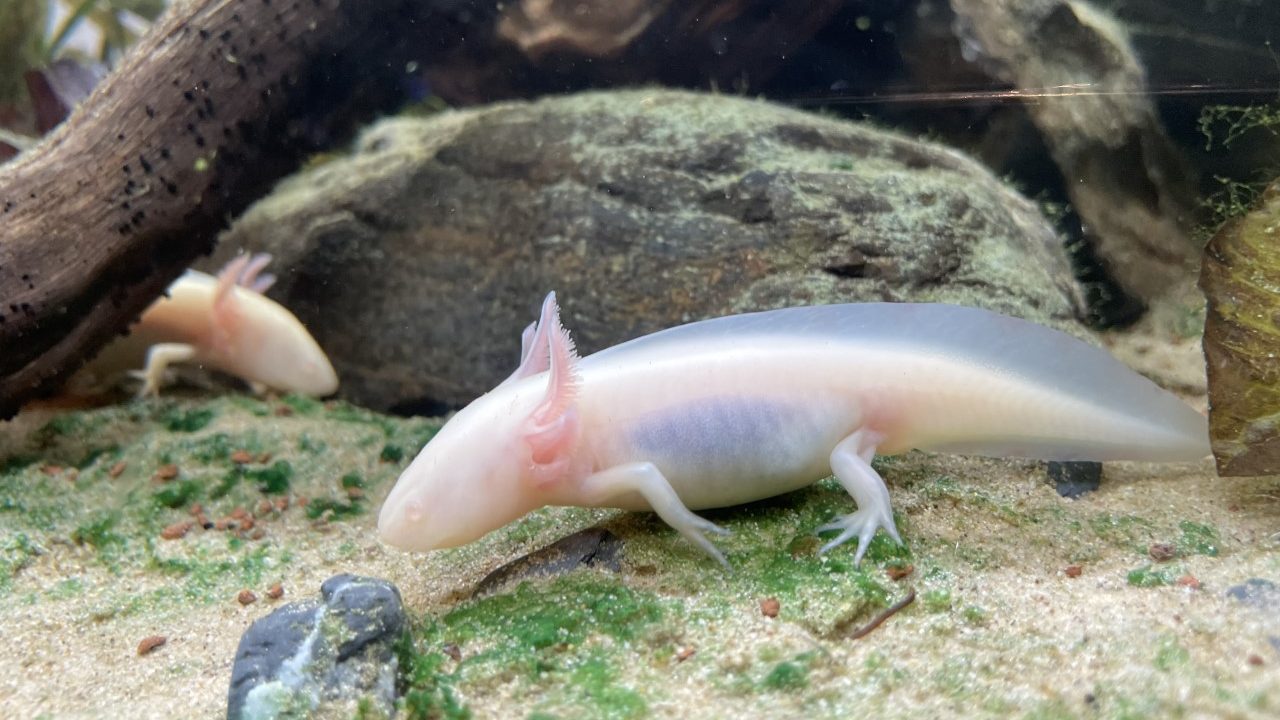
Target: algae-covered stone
(417, 261)
(1241, 278)
(311, 654)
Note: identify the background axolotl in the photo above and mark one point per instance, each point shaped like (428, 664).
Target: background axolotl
(740, 408)
(224, 323)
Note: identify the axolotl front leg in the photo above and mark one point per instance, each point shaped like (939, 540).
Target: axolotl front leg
(850, 463)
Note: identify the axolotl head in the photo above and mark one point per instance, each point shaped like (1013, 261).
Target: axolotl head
(468, 480)
(505, 454)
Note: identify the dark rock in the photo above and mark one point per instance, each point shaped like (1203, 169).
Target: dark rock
(417, 261)
(593, 547)
(320, 653)
(1256, 593)
(1073, 479)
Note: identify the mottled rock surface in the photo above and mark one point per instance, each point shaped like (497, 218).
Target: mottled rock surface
(417, 260)
(1241, 278)
(322, 653)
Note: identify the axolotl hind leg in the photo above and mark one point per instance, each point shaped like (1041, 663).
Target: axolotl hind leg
(647, 481)
(851, 464)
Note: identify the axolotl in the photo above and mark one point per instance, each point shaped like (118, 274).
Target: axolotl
(740, 408)
(225, 323)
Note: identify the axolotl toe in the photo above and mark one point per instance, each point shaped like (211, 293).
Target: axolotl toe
(735, 409)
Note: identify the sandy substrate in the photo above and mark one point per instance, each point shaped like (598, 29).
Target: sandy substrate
(1027, 604)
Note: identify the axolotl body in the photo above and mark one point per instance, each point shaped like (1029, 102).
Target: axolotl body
(736, 409)
(223, 322)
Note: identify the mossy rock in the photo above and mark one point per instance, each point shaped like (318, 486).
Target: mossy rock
(1241, 277)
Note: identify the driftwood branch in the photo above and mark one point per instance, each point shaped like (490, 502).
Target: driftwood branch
(219, 100)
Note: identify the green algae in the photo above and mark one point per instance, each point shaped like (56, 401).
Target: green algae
(1149, 576)
(789, 675)
(1169, 654)
(1197, 539)
(86, 478)
(187, 419)
(545, 637)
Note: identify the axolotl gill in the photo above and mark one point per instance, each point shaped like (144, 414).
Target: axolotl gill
(740, 408)
(225, 323)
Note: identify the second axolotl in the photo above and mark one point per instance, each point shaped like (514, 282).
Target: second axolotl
(740, 408)
(224, 323)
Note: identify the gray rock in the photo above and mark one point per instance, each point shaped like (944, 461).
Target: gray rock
(1074, 479)
(316, 654)
(418, 260)
(593, 547)
(1256, 593)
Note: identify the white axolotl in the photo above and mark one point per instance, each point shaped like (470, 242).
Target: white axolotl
(224, 323)
(740, 408)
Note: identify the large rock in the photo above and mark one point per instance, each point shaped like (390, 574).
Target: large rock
(417, 260)
(329, 653)
(1242, 339)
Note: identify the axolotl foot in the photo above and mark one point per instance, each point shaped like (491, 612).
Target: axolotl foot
(863, 525)
(851, 465)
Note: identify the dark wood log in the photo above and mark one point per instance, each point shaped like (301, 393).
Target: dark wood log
(218, 101)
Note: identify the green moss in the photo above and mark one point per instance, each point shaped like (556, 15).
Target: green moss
(1197, 539)
(429, 692)
(273, 480)
(310, 445)
(302, 404)
(16, 552)
(391, 453)
(186, 419)
(564, 612)
(351, 480)
(1154, 576)
(1170, 655)
(228, 483)
(99, 532)
(937, 600)
(334, 509)
(177, 494)
(789, 675)
(974, 615)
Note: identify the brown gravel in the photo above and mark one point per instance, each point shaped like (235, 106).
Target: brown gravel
(275, 592)
(164, 473)
(117, 469)
(246, 597)
(769, 607)
(897, 573)
(1162, 552)
(177, 530)
(151, 643)
(1073, 571)
(241, 457)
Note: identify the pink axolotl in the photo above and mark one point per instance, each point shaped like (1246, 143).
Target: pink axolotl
(740, 408)
(224, 323)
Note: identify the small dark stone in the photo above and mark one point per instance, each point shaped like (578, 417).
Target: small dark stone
(1073, 479)
(593, 547)
(1256, 593)
(287, 660)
